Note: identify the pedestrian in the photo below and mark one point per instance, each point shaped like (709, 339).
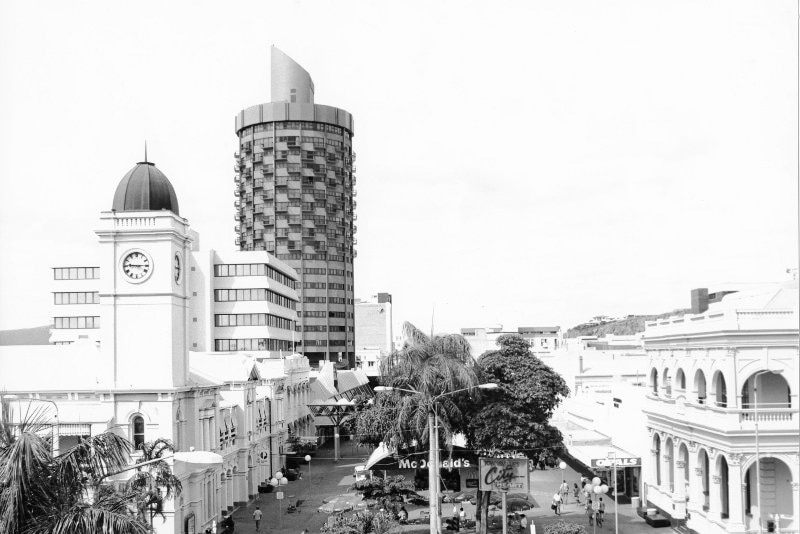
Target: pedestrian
(564, 490)
(257, 514)
(589, 510)
(524, 523)
(455, 518)
(556, 506)
(576, 492)
(403, 515)
(601, 511)
(462, 518)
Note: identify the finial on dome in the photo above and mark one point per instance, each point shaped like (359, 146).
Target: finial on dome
(145, 151)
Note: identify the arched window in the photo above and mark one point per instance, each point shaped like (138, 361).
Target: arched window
(681, 379)
(700, 386)
(137, 431)
(667, 382)
(654, 381)
(657, 458)
(721, 390)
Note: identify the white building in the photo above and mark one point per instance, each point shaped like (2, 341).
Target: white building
(722, 412)
(172, 342)
(543, 340)
(373, 332)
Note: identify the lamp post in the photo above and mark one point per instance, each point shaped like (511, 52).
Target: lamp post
(598, 489)
(563, 466)
(55, 424)
(308, 459)
(758, 451)
(277, 481)
(613, 456)
(433, 445)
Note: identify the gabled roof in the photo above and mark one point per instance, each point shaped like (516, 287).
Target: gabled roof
(211, 368)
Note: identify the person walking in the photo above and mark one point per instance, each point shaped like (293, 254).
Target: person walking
(589, 511)
(576, 492)
(564, 490)
(455, 518)
(556, 506)
(462, 518)
(257, 515)
(601, 511)
(523, 522)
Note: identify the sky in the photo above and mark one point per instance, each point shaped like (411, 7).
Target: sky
(519, 163)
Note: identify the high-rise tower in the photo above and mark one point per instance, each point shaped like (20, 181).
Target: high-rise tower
(295, 185)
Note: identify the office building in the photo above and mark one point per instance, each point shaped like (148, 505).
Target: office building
(295, 188)
(374, 333)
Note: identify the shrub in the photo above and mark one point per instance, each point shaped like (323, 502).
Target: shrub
(562, 527)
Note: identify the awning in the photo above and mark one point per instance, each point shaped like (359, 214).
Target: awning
(193, 461)
(600, 454)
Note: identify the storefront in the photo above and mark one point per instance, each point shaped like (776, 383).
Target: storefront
(458, 470)
(601, 460)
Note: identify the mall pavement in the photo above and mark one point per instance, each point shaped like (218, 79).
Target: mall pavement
(329, 479)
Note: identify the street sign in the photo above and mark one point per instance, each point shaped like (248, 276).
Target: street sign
(503, 474)
(279, 495)
(620, 462)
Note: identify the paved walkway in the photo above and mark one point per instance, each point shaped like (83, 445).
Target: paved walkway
(329, 479)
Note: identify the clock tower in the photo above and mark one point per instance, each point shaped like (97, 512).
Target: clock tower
(144, 296)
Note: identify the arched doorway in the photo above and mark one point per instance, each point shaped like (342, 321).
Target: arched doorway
(683, 473)
(720, 390)
(657, 458)
(700, 386)
(722, 473)
(776, 494)
(669, 451)
(702, 463)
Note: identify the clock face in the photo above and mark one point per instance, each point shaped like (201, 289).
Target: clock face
(177, 268)
(136, 266)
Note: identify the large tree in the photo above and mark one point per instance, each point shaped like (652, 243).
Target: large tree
(516, 415)
(45, 494)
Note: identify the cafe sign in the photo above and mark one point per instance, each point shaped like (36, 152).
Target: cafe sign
(503, 474)
(605, 463)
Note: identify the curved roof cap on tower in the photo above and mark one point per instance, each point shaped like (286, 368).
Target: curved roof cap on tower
(145, 188)
(289, 81)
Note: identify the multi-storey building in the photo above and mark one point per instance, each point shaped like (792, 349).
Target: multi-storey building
(722, 412)
(542, 339)
(184, 347)
(238, 300)
(295, 188)
(374, 332)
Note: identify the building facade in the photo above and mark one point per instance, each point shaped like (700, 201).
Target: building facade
(295, 188)
(374, 332)
(151, 364)
(543, 340)
(722, 412)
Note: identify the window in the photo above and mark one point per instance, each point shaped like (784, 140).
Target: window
(253, 319)
(84, 297)
(234, 295)
(83, 322)
(232, 345)
(137, 431)
(76, 273)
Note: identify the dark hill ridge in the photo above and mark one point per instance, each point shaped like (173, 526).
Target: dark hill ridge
(624, 327)
(38, 335)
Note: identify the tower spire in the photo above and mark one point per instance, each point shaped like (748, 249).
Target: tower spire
(145, 150)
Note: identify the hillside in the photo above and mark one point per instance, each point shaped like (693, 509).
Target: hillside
(625, 327)
(38, 335)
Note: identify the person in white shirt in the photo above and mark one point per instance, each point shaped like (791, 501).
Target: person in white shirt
(257, 514)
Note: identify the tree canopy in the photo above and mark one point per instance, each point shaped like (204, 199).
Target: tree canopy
(515, 416)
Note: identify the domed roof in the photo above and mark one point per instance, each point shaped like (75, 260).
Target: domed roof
(145, 188)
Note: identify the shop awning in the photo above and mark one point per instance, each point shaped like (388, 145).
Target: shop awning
(597, 456)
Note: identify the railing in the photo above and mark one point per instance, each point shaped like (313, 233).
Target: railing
(770, 414)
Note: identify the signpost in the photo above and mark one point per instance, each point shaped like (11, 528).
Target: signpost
(503, 474)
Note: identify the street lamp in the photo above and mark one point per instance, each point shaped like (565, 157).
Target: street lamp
(277, 481)
(308, 459)
(598, 489)
(758, 452)
(433, 444)
(613, 456)
(54, 427)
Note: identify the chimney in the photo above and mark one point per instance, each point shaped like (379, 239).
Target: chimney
(699, 300)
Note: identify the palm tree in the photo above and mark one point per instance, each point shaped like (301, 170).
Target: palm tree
(433, 367)
(40, 493)
(154, 482)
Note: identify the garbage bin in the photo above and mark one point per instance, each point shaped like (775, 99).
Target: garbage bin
(635, 503)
